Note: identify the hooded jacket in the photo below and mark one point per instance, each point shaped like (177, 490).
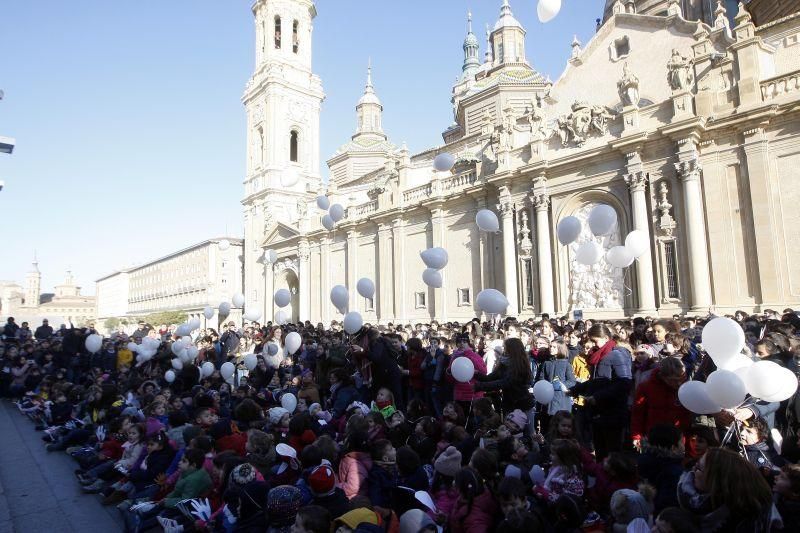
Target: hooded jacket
(656, 403)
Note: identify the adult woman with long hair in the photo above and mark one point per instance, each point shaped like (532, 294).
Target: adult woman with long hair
(558, 371)
(511, 376)
(728, 494)
(606, 393)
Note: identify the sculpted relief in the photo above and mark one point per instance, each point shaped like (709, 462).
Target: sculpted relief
(584, 121)
(680, 72)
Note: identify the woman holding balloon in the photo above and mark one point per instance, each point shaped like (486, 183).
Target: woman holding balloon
(464, 365)
(511, 376)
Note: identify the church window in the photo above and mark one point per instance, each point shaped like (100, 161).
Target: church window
(369, 304)
(277, 33)
(621, 48)
(463, 297)
(419, 300)
(293, 142)
(528, 282)
(671, 260)
(295, 37)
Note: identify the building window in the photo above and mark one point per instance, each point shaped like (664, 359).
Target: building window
(463, 297)
(369, 304)
(293, 141)
(671, 259)
(419, 300)
(528, 265)
(277, 33)
(621, 48)
(295, 37)
(224, 281)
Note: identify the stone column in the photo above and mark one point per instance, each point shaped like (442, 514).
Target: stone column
(325, 281)
(438, 238)
(269, 291)
(303, 255)
(384, 274)
(510, 257)
(541, 203)
(645, 288)
(689, 174)
(352, 269)
(400, 296)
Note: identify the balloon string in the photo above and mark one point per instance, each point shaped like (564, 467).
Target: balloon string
(628, 290)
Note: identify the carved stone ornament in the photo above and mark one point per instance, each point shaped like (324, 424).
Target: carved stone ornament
(665, 221)
(379, 186)
(302, 209)
(506, 131)
(628, 87)
(680, 72)
(525, 244)
(287, 264)
(269, 219)
(537, 120)
(584, 120)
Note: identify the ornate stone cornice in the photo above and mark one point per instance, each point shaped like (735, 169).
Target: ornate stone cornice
(688, 170)
(540, 201)
(637, 181)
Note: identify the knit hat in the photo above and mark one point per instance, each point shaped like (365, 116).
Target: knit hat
(190, 432)
(357, 516)
(414, 520)
(518, 417)
(259, 441)
(627, 505)
(321, 481)
(513, 471)
(449, 462)
(282, 505)
(364, 410)
(314, 408)
(243, 474)
(153, 427)
(275, 415)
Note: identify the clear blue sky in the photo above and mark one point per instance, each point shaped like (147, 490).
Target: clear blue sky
(130, 129)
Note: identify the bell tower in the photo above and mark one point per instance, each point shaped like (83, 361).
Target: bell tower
(33, 284)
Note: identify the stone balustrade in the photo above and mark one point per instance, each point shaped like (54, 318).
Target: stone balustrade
(780, 85)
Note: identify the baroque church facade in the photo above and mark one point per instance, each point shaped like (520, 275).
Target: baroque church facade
(682, 115)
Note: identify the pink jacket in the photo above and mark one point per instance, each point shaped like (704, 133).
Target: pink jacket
(465, 392)
(445, 500)
(480, 518)
(353, 471)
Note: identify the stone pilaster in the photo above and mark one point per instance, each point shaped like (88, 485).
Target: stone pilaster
(541, 204)
(352, 269)
(384, 273)
(509, 252)
(400, 297)
(637, 181)
(303, 255)
(438, 230)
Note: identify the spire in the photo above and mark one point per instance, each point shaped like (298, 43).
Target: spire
(369, 75)
(369, 109)
(471, 47)
(488, 56)
(369, 96)
(35, 264)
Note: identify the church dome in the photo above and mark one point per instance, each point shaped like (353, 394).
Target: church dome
(506, 19)
(369, 97)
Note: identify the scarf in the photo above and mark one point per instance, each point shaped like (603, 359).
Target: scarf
(597, 354)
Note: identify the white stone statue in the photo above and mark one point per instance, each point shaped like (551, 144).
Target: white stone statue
(537, 120)
(680, 72)
(584, 120)
(628, 87)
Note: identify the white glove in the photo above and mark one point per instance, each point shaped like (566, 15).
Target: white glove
(229, 515)
(170, 525)
(70, 424)
(100, 433)
(121, 469)
(202, 509)
(143, 507)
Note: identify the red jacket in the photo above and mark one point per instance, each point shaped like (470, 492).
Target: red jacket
(465, 392)
(111, 449)
(415, 370)
(656, 403)
(479, 518)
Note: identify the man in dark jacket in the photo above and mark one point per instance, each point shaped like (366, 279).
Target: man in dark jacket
(661, 464)
(385, 370)
(229, 341)
(43, 332)
(10, 329)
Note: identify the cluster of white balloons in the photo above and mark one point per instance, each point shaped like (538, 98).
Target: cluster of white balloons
(435, 260)
(547, 11)
(602, 220)
(146, 350)
(736, 375)
(492, 301)
(340, 298)
(444, 162)
(487, 221)
(334, 214)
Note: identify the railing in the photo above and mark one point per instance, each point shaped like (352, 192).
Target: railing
(412, 196)
(780, 85)
(459, 181)
(358, 211)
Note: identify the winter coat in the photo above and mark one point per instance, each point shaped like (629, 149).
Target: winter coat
(154, 464)
(479, 518)
(354, 474)
(610, 385)
(662, 469)
(381, 482)
(465, 392)
(445, 500)
(513, 386)
(559, 373)
(415, 373)
(656, 403)
(336, 502)
(340, 399)
(191, 485)
(310, 393)
(131, 454)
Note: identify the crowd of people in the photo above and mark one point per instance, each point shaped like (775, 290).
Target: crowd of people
(371, 432)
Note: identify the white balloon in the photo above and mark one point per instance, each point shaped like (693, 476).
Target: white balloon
(227, 369)
(619, 256)
(252, 316)
(589, 253)
(94, 342)
(737, 362)
(133, 347)
(208, 312)
(184, 356)
(289, 177)
(323, 202)
(289, 402)
(271, 256)
(272, 348)
(250, 361)
(207, 369)
(602, 219)
(366, 287)
(568, 229)
(194, 324)
(726, 389)
(548, 9)
(177, 364)
(177, 347)
(434, 257)
(352, 322)
(281, 317)
(537, 475)
(182, 330)
(487, 221)
(293, 342)
(637, 242)
(762, 378)
(339, 297)
(224, 309)
(444, 162)
(327, 222)
(693, 395)
(238, 299)
(785, 387)
(462, 369)
(224, 244)
(192, 352)
(336, 212)
(169, 376)
(543, 391)
(723, 339)
(492, 301)
(432, 278)
(187, 341)
(283, 297)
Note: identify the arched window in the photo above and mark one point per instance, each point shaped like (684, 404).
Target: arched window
(277, 32)
(293, 142)
(295, 37)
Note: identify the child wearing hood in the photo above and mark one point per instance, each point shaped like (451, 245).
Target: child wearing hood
(384, 403)
(628, 505)
(382, 477)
